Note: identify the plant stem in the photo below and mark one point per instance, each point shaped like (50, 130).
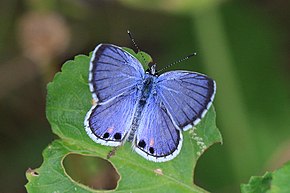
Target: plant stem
(231, 111)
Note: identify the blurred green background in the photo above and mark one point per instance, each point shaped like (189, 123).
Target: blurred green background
(243, 45)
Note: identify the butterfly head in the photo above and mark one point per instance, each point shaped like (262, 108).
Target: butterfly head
(152, 69)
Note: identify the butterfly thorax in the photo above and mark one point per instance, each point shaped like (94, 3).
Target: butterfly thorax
(147, 90)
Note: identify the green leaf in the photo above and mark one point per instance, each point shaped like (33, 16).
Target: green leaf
(68, 101)
(281, 179)
(276, 182)
(257, 184)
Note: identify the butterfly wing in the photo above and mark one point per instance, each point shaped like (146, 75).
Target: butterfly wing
(187, 96)
(113, 72)
(157, 137)
(109, 123)
(113, 79)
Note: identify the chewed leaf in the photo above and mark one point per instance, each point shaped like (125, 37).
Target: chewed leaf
(277, 181)
(51, 175)
(258, 184)
(68, 101)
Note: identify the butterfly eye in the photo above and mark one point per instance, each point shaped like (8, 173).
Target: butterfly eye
(151, 150)
(106, 135)
(117, 136)
(142, 143)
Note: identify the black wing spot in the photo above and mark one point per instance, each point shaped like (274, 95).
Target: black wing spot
(106, 135)
(117, 136)
(151, 150)
(142, 143)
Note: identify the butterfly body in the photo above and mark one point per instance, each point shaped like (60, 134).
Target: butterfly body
(149, 110)
(146, 90)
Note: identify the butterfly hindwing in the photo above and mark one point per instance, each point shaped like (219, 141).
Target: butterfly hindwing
(113, 79)
(109, 123)
(186, 95)
(157, 137)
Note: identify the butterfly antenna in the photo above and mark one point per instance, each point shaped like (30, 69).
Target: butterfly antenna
(178, 61)
(136, 46)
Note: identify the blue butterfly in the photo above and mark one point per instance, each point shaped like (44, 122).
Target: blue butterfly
(147, 109)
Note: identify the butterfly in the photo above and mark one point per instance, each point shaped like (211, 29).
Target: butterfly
(142, 107)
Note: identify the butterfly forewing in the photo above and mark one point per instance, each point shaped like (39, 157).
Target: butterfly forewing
(186, 95)
(113, 72)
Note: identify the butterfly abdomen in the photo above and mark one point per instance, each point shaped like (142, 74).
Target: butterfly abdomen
(145, 92)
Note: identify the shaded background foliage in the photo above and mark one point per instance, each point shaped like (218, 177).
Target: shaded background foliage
(243, 45)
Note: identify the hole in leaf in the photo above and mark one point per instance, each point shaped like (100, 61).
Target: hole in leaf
(93, 172)
(32, 172)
